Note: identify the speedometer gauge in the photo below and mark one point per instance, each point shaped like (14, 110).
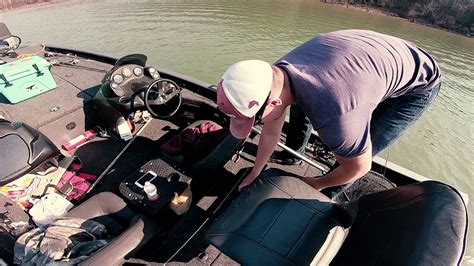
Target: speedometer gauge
(114, 85)
(138, 71)
(153, 73)
(127, 72)
(117, 78)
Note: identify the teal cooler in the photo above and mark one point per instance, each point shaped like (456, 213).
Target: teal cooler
(26, 78)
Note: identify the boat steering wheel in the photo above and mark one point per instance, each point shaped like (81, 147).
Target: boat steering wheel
(162, 98)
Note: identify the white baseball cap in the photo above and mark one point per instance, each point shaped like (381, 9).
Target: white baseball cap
(245, 88)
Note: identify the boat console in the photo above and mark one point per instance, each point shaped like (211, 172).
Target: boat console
(130, 86)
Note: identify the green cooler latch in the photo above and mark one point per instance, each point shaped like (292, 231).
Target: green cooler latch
(38, 71)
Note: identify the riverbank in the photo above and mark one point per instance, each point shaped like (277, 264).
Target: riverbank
(440, 21)
(7, 5)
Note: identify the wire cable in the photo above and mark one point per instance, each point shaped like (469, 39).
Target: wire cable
(19, 41)
(23, 56)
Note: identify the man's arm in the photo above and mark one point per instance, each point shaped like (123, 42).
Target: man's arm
(271, 132)
(349, 170)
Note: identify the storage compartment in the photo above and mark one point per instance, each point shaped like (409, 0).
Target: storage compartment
(70, 126)
(26, 78)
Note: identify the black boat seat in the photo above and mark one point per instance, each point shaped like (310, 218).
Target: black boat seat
(129, 229)
(219, 155)
(22, 149)
(420, 224)
(280, 220)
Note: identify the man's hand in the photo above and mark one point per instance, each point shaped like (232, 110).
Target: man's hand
(247, 181)
(311, 181)
(350, 169)
(269, 138)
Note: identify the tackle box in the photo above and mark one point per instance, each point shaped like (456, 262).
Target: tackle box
(25, 78)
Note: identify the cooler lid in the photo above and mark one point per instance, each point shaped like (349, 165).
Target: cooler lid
(23, 67)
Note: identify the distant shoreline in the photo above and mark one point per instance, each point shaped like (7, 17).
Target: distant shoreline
(382, 11)
(9, 5)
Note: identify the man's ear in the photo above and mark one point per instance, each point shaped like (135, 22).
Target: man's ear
(275, 102)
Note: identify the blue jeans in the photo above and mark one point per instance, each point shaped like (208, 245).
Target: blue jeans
(389, 120)
(300, 129)
(394, 115)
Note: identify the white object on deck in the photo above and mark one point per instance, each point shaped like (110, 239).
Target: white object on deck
(48, 208)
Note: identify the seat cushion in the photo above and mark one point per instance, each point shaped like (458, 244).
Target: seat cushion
(22, 148)
(107, 209)
(130, 230)
(419, 224)
(280, 220)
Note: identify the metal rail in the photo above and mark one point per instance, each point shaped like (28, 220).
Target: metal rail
(297, 155)
(111, 164)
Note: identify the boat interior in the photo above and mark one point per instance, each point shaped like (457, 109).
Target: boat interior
(154, 124)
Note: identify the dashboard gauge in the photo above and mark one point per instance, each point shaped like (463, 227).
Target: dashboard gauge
(114, 85)
(156, 75)
(117, 78)
(138, 71)
(151, 70)
(127, 72)
(119, 92)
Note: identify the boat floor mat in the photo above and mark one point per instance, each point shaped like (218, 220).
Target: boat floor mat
(99, 153)
(370, 183)
(143, 149)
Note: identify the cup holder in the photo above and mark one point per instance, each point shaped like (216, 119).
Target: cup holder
(173, 177)
(124, 100)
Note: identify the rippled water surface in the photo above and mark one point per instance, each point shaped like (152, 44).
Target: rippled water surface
(201, 38)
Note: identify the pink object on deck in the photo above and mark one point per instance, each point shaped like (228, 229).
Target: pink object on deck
(195, 143)
(80, 140)
(73, 184)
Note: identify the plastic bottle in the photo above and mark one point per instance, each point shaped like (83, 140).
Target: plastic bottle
(150, 191)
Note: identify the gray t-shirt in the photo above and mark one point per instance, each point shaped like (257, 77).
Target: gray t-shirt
(339, 78)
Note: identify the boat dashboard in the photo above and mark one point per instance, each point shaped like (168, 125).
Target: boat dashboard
(132, 85)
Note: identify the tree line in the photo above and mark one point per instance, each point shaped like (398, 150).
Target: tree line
(454, 15)
(10, 4)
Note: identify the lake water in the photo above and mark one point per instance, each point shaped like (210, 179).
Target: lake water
(201, 38)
